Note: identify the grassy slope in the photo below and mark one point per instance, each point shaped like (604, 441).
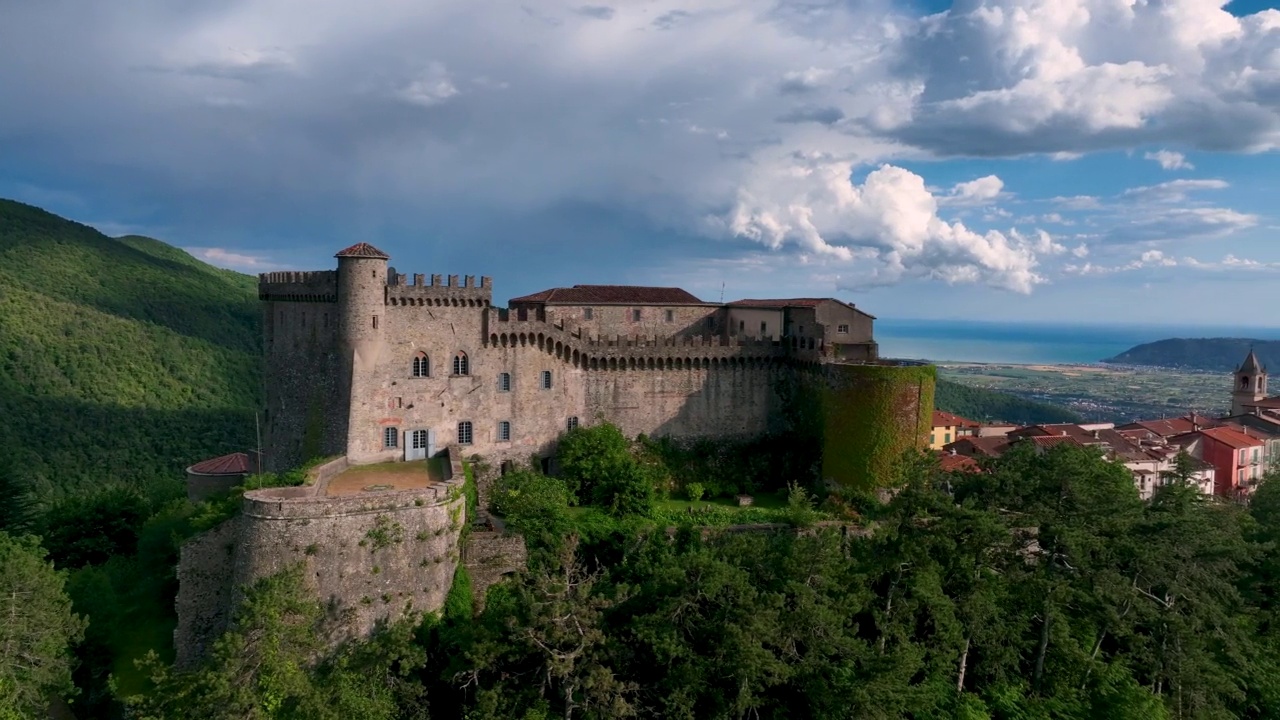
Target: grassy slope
(993, 406)
(120, 359)
(1212, 354)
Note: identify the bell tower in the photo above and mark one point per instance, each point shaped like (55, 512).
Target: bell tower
(1250, 385)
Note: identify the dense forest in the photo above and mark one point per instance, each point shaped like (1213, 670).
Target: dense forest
(122, 360)
(986, 405)
(1210, 354)
(1041, 587)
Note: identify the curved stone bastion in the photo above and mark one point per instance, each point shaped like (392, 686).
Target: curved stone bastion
(370, 557)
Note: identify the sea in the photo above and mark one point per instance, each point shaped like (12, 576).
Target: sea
(966, 341)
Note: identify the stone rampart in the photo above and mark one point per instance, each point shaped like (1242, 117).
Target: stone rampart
(371, 557)
(434, 293)
(290, 286)
(205, 591)
(488, 555)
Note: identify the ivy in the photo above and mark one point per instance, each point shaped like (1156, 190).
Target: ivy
(874, 414)
(384, 533)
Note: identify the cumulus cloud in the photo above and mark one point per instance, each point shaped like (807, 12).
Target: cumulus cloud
(982, 191)
(886, 228)
(1169, 160)
(1077, 75)
(1158, 259)
(749, 112)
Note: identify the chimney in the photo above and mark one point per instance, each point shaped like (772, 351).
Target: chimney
(1095, 434)
(953, 452)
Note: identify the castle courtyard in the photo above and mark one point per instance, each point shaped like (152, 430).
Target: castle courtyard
(387, 476)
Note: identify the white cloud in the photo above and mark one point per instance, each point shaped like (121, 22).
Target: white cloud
(1174, 190)
(890, 223)
(749, 111)
(982, 191)
(1170, 160)
(432, 87)
(232, 260)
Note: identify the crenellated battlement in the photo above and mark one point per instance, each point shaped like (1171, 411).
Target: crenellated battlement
(299, 286)
(635, 352)
(437, 291)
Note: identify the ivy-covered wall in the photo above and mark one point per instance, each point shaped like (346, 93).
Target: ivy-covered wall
(872, 415)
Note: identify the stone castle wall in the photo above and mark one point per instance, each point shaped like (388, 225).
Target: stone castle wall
(369, 558)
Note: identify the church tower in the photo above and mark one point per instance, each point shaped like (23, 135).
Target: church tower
(1250, 385)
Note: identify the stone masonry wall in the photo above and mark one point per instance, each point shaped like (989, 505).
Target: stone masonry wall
(306, 414)
(369, 558)
(205, 590)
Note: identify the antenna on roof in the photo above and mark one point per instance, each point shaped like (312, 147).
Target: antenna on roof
(721, 292)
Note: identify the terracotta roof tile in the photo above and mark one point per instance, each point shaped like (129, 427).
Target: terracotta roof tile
(1052, 440)
(611, 295)
(943, 419)
(979, 446)
(780, 302)
(233, 464)
(362, 250)
(1231, 437)
(958, 463)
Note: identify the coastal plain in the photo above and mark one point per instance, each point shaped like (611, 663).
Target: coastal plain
(1098, 392)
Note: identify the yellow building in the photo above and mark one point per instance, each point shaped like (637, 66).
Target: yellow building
(948, 428)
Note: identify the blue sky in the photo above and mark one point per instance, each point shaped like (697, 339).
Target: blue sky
(1091, 161)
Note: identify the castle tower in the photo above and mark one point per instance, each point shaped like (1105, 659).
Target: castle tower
(1250, 385)
(362, 288)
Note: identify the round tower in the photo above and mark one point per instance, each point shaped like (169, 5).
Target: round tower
(873, 413)
(1250, 385)
(362, 308)
(362, 282)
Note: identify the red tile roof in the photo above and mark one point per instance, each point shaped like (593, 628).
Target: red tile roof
(1169, 427)
(362, 250)
(979, 446)
(1052, 440)
(233, 464)
(611, 295)
(1231, 437)
(958, 463)
(943, 419)
(780, 302)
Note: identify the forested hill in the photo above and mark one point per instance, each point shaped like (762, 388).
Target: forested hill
(1213, 354)
(986, 405)
(121, 359)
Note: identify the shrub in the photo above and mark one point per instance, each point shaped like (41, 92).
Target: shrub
(694, 491)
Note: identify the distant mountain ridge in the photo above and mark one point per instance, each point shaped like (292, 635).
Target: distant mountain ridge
(1209, 354)
(985, 405)
(121, 359)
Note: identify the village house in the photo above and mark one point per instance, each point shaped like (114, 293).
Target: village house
(947, 428)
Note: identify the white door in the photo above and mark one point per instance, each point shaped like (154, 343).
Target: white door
(415, 445)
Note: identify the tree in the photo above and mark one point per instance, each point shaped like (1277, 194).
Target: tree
(17, 510)
(88, 529)
(37, 629)
(588, 455)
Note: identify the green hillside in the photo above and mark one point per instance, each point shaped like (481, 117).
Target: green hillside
(1212, 354)
(121, 359)
(986, 405)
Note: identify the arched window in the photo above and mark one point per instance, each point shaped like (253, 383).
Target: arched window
(460, 364)
(464, 432)
(504, 431)
(504, 382)
(1244, 382)
(390, 437)
(573, 422)
(421, 365)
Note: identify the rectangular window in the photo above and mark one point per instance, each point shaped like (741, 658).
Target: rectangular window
(504, 382)
(504, 431)
(671, 316)
(635, 316)
(842, 329)
(742, 326)
(946, 438)
(375, 322)
(390, 437)
(573, 422)
(464, 432)
(933, 439)
(764, 328)
(546, 379)
(588, 313)
(1244, 458)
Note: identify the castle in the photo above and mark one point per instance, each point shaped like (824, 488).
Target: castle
(375, 372)
(363, 363)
